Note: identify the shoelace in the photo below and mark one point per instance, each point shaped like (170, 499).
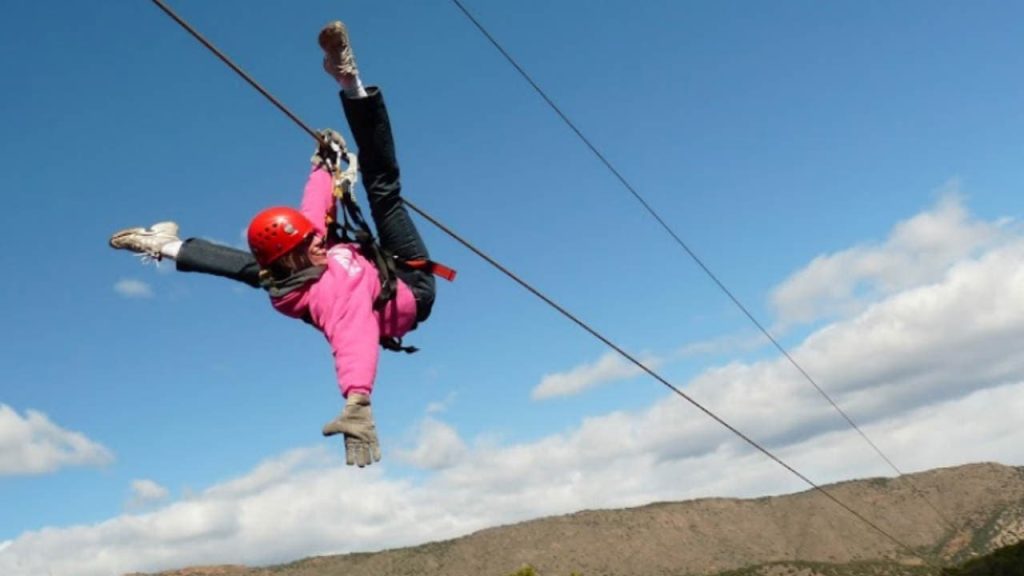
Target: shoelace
(147, 258)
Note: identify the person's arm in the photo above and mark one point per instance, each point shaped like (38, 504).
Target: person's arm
(348, 322)
(318, 200)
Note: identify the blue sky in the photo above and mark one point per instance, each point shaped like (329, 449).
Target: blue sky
(850, 170)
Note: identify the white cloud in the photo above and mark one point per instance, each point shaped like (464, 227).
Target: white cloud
(608, 368)
(32, 444)
(441, 405)
(307, 503)
(302, 501)
(918, 251)
(730, 344)
(437, 446)
(146, 493)
(131, 288)
(931, 373)
(612, 367)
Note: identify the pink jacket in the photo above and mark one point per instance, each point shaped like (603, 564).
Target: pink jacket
(340, 303)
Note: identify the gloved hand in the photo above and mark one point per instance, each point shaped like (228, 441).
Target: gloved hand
(356, 423)
(332, 154)
(331, 150)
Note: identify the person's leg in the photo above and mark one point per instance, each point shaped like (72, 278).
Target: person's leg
(371, 129)
(161, 241)
(370, 125)
(198, 255)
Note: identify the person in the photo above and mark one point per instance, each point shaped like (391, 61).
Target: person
(312, 275)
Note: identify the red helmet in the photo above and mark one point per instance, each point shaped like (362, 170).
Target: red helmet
(276, 231)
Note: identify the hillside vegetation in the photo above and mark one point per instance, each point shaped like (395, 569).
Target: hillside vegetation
(1008, 561)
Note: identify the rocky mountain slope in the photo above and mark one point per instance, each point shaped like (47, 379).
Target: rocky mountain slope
(977, 508)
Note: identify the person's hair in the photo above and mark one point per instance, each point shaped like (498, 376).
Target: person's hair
(291, 262)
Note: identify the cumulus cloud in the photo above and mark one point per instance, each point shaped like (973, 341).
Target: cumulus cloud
(307, 503)
(440, 406)
(729, 344)
(437, 446)
(145, 493)
(131, 288)
(302, 501)
(32, 444)
(917, 251)
(612, 367)
(931, 372)
(608, 368)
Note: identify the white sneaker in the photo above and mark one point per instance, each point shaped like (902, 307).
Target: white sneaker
(146, 241)
(338, 58)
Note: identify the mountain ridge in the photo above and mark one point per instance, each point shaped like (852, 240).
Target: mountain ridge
(981, 506)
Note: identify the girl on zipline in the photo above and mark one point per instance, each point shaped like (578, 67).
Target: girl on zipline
(311, 274)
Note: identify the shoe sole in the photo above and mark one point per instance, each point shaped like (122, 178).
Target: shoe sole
(117, 238)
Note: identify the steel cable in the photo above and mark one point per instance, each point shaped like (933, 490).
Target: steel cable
(693, 255)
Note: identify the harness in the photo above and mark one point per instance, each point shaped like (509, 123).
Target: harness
(353, 228)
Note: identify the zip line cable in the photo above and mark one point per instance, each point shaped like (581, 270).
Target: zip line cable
(693, 255)
(564, 312)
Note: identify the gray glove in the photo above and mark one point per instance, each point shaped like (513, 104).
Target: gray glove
(356, 423)
(331, 154)
(333, 149)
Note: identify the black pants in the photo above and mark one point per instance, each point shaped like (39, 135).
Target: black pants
(371, 128)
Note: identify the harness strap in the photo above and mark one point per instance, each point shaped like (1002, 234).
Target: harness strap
(435, 268)
(395, 345)
(385, 265)
(353, 228)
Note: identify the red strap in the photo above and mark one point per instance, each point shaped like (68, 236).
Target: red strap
(435, 268)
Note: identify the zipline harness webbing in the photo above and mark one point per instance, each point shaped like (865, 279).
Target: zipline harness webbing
(714, 278)
(562, 310)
